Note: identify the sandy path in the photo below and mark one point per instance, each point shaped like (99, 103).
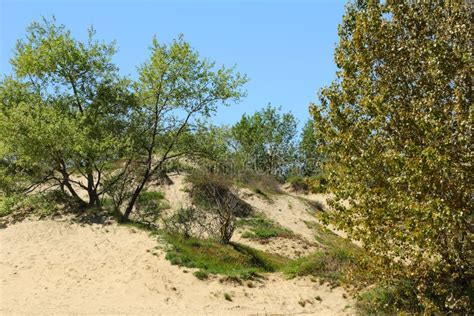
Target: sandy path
(57, 267)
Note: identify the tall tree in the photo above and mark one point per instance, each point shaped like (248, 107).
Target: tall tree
(64, 110)
(266, 140)
(175, 87)
(397, 127)
(309, 158)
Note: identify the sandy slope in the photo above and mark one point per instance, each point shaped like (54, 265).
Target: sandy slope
(61, 267)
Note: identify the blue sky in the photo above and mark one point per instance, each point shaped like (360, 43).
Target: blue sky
(285, 47)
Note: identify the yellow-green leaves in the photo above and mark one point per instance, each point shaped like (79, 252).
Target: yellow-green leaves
(397, 133)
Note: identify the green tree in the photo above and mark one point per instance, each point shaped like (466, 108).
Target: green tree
(397, 131)
(308, 150)
(175, 88)
(64, 111)
(266, 141)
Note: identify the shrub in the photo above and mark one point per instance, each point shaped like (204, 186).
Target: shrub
(150, 206)
(260, 183)
(201, 275)
(390, 299)
(183, 221)
(312, 184)
(214, 196)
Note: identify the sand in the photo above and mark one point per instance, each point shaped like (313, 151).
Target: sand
(60, 267)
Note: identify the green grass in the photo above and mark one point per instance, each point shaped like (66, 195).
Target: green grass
(147, 196)
(339, 261)
(232, 260)
(389, 299)
(260, 227)
(42, 205)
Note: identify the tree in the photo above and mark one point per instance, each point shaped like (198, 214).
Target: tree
(266, 141)
(64, 111)
(175, 87)
(396, 130)
(308, 150)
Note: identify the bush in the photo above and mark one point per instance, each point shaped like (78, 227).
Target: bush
(389, 298)
(183, 221)
(260, 183)
(313, 184)
(41, 204)
(298, 184)
(213, 195)
(201, 275)
(150, 206)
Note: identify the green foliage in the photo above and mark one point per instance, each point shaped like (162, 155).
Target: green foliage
(150, 206)
(63, 110)
(183, 221)
(339, 261)
(266, 141)
(396, 126)
(262, 228)
(21, 206)
(7, 204)
(389, 299)
(311, 184)
(232, 260)
(263, 184)
(201, 275)
(309, 157)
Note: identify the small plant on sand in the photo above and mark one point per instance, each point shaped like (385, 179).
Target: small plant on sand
(201, 275)
(228, 297)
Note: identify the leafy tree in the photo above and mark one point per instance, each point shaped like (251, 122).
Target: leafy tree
(175, 87)
(396, 126)
(64, 111)
(266, 141)
(308, 149)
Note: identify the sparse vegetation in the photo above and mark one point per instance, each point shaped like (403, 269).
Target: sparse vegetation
(231, 260)
(390, 142)
(221, 206)
(260, 227)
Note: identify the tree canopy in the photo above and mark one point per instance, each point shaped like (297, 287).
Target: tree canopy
(396, 131)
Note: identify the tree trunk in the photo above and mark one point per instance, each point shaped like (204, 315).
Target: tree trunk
(134, 198)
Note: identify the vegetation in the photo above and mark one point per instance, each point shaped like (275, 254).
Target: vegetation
(339, 262)
(211, 257)
(266, 141)
(68, 117)
(220, 205)
(390, 140)
(260, 227)
(396, 138)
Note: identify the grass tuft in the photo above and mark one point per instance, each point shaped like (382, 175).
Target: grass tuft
(262, 228)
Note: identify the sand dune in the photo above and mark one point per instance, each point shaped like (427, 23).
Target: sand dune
(59, 267)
